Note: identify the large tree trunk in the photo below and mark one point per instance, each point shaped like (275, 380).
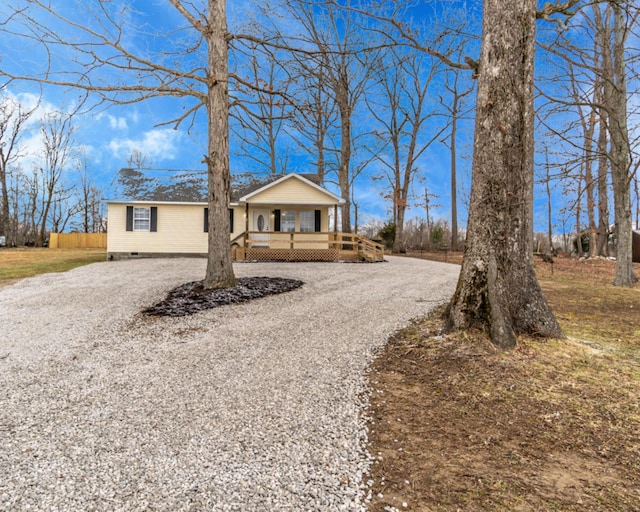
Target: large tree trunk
(603, 38)
(589, 183)
(454, 185)
(498, 289)
(219, 273)
(345, 157)
(620, 153)
(399, 245)
(4, 208)
(603, 196)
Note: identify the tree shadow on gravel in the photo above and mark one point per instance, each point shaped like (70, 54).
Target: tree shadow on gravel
(191, 298)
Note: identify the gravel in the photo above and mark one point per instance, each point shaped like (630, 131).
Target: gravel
(255, 406)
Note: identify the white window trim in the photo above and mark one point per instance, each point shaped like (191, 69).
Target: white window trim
(138, 210)
(282, 215)
(311, 226)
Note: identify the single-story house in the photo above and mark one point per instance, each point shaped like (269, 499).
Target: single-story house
(285, 219)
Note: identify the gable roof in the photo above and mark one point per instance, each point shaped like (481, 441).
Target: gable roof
(311, 180)
(241, 191)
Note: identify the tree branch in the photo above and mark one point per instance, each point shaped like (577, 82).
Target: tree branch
(559, 7)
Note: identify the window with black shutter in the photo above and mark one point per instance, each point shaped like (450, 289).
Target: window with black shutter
(129, 218)
(154, 219)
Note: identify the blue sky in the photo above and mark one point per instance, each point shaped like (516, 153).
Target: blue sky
(107, 134)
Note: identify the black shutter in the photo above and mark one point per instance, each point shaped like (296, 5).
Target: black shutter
(206, 220)
(129, 218)
(230, 220)
(318, 224)
(276, 220)
(154, 219)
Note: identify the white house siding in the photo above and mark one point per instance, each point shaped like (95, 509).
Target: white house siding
(180, 230)
(238, 221)
(292, 191)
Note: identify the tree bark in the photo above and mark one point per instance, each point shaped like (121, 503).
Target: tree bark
(603, 196)
(497, 289)
(219, 273)
(344, 107)
(603, 38)
(620, 153)
(454, 172)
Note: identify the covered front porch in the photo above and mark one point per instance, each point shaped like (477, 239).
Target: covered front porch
(303, 246)
(295, 219)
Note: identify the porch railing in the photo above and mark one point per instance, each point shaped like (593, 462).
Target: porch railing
(345, 245)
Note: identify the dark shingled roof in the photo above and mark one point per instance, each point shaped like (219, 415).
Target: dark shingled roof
(149, 185)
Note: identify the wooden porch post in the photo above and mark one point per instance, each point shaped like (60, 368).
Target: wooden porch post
(335, 218)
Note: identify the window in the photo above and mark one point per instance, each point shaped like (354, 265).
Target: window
(141, 219)
(310, 221)
(307, 221)
(287, 221)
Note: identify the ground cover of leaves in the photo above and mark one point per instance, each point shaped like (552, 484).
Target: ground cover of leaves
(192, 297)
(552, 425)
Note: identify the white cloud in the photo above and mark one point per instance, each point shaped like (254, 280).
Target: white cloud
(158, 144)
(30, 144)
(118, 123)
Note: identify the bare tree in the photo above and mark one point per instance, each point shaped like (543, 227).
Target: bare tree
(603, 74)
(89, 199)
(138, 160)
(615, 96)
(588, 122)
(338, 46)
(105, 61)
(457, 110)
(13, 118)
(315, 113)
(63, 208)
(402, 112)
(498, 289)
(261, 107)
(57, 153)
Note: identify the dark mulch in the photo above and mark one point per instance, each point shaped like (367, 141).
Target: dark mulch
(190, 298)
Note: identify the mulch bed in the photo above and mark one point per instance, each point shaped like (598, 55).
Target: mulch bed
(192, 297)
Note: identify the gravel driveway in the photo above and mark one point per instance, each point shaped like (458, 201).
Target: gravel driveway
(258, 406)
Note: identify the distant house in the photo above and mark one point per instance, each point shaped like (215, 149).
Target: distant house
(285, 219)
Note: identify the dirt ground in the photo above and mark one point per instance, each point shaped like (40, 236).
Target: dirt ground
(553, 425)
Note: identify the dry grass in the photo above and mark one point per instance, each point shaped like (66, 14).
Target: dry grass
(552, 425)
(16, 264)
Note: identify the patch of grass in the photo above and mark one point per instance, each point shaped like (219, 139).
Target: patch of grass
(552, 425)
(21, 262)
(588, 306)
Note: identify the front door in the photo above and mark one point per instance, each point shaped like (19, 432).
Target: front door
(260, 228)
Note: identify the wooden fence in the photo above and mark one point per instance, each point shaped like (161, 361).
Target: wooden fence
(78, 240)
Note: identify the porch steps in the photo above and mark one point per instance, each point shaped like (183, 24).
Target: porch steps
(369, 251)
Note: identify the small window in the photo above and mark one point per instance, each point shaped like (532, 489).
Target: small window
(141, 219)
(288, 221)
(308, 221)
